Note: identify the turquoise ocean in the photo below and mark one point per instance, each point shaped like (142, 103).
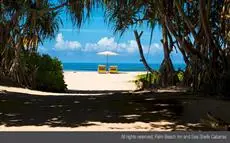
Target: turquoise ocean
(121, 66)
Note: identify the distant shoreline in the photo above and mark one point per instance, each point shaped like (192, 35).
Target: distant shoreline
(123, 67)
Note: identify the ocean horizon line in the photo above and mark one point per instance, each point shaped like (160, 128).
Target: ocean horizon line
(115, 63)
(121, 66)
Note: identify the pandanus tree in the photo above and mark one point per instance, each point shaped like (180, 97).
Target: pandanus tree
(22, 28)
(203, 41)
(26, 23)
(199, 29)
(129, 14)
(123, 15)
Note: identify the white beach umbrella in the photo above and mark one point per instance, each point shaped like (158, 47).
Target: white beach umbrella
(107, 54)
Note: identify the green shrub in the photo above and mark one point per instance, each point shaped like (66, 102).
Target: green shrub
(150, 78)
(49, 76)
(154, 78)
(46, 72)
(180, 75)
(147, 80)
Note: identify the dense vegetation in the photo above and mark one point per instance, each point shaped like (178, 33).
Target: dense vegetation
(45, 73)
(22, 28)
(40, 72)
(198, 29)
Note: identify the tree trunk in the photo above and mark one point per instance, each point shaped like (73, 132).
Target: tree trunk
(166, 68)
(138, 36)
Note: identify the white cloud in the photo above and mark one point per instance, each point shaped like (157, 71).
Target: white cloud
(62, 44)
(132, 46)
(107, 43)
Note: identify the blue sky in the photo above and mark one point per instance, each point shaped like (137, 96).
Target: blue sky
(74, 45)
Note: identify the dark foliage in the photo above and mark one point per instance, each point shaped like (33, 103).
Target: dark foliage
(45, 72)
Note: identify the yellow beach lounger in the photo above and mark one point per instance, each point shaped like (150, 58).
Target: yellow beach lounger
(101, 69)
(113, 69)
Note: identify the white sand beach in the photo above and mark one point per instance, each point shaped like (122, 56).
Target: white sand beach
(87, 81)
(84, 80)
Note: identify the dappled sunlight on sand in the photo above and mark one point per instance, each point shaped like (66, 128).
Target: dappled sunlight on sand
(100, 126)
(119, 111)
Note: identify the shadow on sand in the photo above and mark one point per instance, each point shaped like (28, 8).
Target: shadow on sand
(119, 107)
